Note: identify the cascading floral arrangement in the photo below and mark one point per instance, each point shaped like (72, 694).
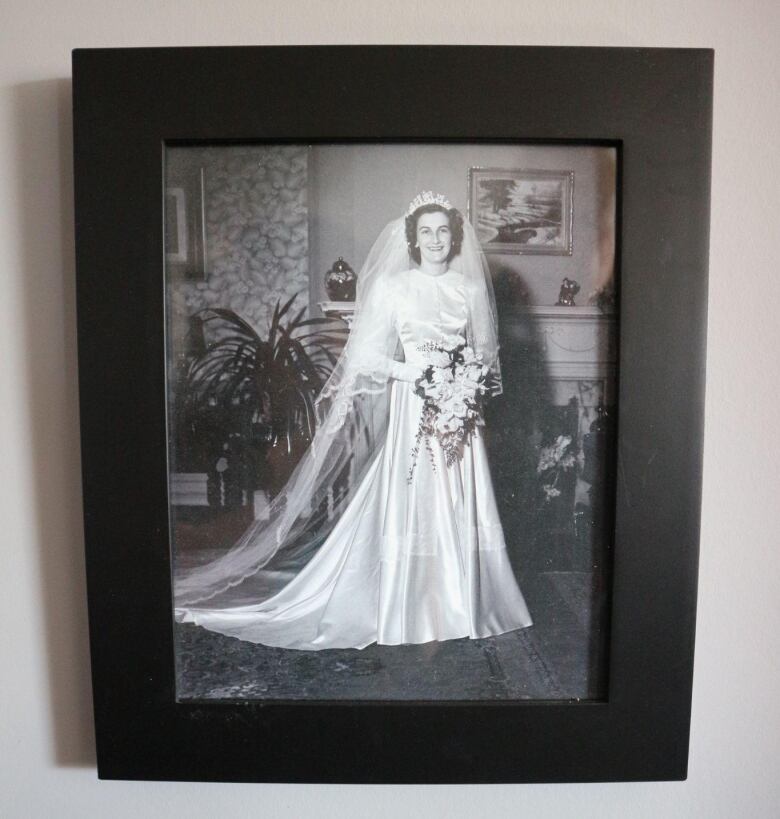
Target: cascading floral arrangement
(453, 387)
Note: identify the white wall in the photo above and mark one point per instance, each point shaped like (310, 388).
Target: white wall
(47, 765)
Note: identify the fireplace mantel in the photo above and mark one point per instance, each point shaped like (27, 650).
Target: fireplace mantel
(576, 343)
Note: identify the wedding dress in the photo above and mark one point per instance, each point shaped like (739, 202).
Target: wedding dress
(415, 551)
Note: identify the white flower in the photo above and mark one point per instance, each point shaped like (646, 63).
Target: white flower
(459, 409)
(471, 378)
(445, 391)
(452, 341)
(469, 356)
(445, 403)
(439, 358)
(457, 388)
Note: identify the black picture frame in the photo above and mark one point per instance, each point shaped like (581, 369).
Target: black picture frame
(655, 105)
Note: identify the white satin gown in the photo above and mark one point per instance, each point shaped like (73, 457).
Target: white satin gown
(408, 561)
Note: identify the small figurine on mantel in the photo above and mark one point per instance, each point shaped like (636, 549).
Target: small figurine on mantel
(569, 289)
(341, 282)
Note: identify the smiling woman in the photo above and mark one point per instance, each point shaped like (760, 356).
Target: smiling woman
(429, 233)
(415, 552)
(434, 241)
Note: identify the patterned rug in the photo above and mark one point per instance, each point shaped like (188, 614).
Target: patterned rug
(559, 657)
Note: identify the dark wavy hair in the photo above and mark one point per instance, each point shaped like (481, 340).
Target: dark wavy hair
(456, 227)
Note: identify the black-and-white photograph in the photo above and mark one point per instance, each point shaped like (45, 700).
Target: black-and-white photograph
(391, 445)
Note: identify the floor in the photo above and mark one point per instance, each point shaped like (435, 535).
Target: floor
(562, 656)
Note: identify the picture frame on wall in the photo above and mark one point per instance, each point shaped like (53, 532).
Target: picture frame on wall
(319, 143)
(522, 211)
(186, 243)
(176, 230)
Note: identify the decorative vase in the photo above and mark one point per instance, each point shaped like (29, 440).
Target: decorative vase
(341, 282)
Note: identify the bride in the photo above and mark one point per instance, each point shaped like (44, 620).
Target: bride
(384, 533)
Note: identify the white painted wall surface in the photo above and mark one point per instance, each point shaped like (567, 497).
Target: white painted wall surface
(47, 767)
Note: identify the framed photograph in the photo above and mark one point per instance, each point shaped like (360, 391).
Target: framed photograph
(176, 234)
(372, 494)
(244, 449)
(186, 237)
(521, 211)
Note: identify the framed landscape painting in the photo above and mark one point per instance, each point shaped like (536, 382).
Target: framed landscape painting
(522, 211)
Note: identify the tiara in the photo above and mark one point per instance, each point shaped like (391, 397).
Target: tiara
(428, 198)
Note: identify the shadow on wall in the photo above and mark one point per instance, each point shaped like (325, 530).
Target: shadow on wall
(513, 418)
(44, 151)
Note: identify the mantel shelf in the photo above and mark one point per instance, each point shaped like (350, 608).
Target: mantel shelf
(343, 309)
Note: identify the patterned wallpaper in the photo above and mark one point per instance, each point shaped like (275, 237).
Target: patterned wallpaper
(256, 231)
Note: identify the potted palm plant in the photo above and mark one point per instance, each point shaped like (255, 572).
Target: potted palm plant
(262, 390)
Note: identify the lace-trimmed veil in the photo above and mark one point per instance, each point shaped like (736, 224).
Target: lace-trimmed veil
(352, 411)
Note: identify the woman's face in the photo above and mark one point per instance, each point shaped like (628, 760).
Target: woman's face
(434, 237)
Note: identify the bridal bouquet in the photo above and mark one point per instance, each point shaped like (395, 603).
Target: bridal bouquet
(452, 387)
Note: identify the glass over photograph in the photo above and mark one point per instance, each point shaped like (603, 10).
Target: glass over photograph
(391, 399)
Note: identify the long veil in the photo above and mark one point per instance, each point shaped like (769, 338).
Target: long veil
(352, 412)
